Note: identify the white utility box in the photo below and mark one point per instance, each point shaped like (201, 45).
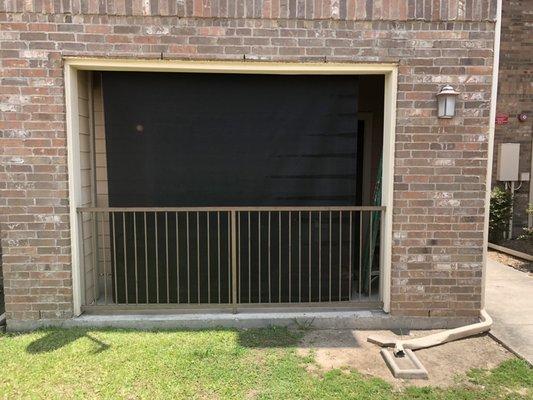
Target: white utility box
(508, 159)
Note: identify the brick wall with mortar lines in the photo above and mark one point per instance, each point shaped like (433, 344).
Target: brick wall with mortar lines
(515, 95)
(439, 168)
(370, 10)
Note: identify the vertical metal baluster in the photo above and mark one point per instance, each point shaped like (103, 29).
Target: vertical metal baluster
(350, 259)
(234, 260)
(259, 245)
(269, 249)
(94, 245)
(360, 278)
(329, 255)
(340, 255)
(135, 255)
(167, 277)
(290, 256)
(238, 233)
(208, 262)
(249, 261)
(279, 262)
(309, 260)
(380, 255)
(230, 272)
(188, 261)
(156, 259)
(146, 258)
(104, 258)
(125, 256)
(198, 256)
(177, 259)
(320, 256)
(218, 251)
(370, 254)
(82, 258)
(299, 256)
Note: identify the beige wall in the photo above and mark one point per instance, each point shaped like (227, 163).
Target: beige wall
(371, 89)
(100, 146)
(94, 184)
(101, 193)
(86, 166)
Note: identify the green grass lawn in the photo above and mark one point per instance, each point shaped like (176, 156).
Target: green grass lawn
(208, 364)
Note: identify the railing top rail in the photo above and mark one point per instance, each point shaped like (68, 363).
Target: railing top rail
(229, 209)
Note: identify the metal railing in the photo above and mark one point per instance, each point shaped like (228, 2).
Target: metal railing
(230, 257)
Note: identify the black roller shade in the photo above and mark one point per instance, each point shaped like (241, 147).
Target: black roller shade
(178, 139)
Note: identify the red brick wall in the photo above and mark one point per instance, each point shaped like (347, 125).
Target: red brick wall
(369, 10)
(515, 94)
(440, 164)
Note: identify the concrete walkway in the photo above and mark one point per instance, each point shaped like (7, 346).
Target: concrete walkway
(509, 301)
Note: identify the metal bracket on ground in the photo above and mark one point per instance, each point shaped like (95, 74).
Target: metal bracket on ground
(415, 371)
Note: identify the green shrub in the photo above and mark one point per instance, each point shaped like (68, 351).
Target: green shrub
(527, 233)
(501, 202)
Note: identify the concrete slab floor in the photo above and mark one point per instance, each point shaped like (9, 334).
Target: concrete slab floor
(315, 319)
(509, 301)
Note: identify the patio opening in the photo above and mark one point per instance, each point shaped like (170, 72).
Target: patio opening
(230, 190)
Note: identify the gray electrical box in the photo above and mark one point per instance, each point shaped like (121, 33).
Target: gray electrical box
(508, 159)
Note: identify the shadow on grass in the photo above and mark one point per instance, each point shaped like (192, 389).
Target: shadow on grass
(302, 338)
(272, 337)
(269, 337)
(57, 339)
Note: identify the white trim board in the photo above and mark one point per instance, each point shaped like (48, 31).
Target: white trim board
(229, 67)
(490, 150)
(74, 181)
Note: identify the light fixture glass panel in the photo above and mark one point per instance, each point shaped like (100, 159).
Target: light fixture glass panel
(446, 102)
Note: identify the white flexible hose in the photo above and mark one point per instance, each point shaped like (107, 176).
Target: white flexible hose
(436, 338)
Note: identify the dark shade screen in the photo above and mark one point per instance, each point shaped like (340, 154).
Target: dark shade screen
(177, 139)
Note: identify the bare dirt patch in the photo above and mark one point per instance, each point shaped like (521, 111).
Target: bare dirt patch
(516, 263)
(349, 349)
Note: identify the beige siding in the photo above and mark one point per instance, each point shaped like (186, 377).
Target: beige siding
(99, 128)
(104, 247)
(93, 164)
(86, 166)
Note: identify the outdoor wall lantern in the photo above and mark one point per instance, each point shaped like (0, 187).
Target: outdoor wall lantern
(446, 100)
